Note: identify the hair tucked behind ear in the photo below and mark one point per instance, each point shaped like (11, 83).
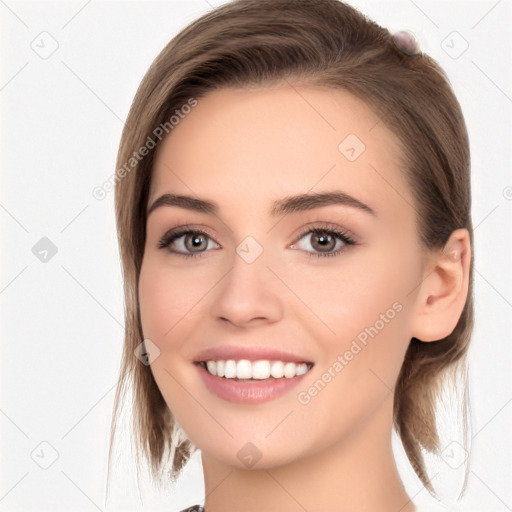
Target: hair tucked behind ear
(257, 43)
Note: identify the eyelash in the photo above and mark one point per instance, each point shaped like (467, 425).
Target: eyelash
(173, 235)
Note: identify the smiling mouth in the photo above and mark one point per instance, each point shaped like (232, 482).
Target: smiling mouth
(244, 369)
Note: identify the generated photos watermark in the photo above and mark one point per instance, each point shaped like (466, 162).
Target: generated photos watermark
(100, 192)
(358, 344)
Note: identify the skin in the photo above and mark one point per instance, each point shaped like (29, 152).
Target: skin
(243, 150)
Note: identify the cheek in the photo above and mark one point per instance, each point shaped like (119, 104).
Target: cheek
(351, 296)
(168, 299)
(159, 309)
(360, 324)
(360, 361)
(169, 308)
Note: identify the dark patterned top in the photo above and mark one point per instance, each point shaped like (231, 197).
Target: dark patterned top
(195, 508)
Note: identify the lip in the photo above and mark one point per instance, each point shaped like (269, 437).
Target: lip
(225, 352)
(247, 392)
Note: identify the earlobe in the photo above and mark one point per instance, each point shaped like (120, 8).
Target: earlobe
(444, 290)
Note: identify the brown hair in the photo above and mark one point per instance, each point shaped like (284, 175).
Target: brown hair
(257, 43)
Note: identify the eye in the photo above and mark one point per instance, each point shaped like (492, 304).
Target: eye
(187, 242)
(323, 241)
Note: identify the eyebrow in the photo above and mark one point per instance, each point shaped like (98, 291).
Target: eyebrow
(288, 205)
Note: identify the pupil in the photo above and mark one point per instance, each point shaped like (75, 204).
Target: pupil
(195, 242)
(323, 242)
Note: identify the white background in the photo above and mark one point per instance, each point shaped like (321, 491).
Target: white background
(62, 320)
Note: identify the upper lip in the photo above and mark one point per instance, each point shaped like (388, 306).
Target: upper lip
(225, 352)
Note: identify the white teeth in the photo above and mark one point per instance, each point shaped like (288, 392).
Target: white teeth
(277, 370)
(302, 368)
(257, 370)
(290, 370)
(261, 370)
(212, 367)
(230, 369)
(243, 369)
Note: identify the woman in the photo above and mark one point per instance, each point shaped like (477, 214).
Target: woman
(293, 210)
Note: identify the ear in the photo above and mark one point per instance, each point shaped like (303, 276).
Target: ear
(444, 289)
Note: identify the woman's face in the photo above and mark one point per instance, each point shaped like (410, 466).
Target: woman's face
(306, 253)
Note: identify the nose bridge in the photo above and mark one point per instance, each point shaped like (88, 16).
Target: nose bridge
(246, 292)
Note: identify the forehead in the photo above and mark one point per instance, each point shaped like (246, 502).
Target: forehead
(279, 141)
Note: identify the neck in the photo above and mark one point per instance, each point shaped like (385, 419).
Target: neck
(355, 475)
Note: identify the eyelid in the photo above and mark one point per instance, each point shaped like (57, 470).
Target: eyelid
(184, 228)
(328, 227)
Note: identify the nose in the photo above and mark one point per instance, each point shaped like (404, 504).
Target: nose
(247, 295)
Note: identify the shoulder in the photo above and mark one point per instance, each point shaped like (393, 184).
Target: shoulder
(195, 508)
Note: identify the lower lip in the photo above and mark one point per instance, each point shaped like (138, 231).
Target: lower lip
(253, 392)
